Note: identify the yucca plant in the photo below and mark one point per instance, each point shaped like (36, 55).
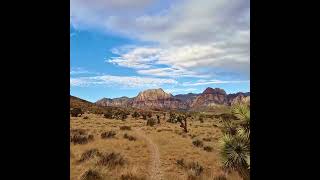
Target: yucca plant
(235, 146)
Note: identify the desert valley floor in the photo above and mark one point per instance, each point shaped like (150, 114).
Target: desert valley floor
(163, 151)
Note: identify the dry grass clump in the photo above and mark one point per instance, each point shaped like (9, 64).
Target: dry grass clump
(197, 143)
(129, 137)
(151, 122)
(207, 148)
(108, 134)
(220, 177)
(131, 176)
(125, 128)
(91, 175)
(194, 169)
(86, 117)
(111, 160)
(207, 139)
(79, 136)
(89, 154)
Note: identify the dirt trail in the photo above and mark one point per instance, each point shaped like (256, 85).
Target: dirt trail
(155, 167)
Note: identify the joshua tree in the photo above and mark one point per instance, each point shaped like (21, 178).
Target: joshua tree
(172, 118)
(182, 119)
(235, 147)
(158, 118)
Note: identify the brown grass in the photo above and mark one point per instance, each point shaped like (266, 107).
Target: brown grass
(168, 137)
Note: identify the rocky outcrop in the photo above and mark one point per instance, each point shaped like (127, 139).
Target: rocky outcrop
(210, 97)
(116, 102)
(159, 99)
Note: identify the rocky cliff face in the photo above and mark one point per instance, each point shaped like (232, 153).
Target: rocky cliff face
(158, 99)
(238, 98)
(210, 97)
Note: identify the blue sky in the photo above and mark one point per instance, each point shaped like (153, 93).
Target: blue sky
(119, 48)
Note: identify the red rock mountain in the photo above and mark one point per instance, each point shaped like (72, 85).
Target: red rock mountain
(159, 99)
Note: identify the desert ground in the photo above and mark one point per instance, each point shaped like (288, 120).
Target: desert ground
(163, 151)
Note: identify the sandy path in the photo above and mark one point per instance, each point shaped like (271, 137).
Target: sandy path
(155, 167)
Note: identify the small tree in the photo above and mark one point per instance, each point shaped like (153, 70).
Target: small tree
(158, 118)
(75, 112)
(182, 119)
(172, 118)
(135, 115)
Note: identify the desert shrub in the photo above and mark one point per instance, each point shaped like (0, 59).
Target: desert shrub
(129, 137)
(79, 136)
(77, 132)
(194, 167)
(144, 116)
(135, 115)
(120, 114)
(125, 128)
(206, 139)
(220, 177)
(75, 112)
(111, 160)
(151, 122)
(201, 118)
(108, 134)
(108, 114)
(131, 176)
(89, 154)
(86, 117)
(91, 175)
(181, 162)
(197, 143)
(207, 148)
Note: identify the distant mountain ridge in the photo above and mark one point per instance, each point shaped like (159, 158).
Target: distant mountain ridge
(159, 99)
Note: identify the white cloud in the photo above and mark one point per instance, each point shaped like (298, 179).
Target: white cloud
(122, 81)
(207, 82)
(191, 37)
(181, 90)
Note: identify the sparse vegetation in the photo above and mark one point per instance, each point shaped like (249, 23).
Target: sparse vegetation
(151, 122)
(79, 136)
(197, 143)
(75, 112)
(207, 148)
(129, 137)
(194, 167)
(135, 115)
(86, 117)
(89, 154)
(220, 177)
(111, 160)
(125, 128)
(91, 175)
(108, 134)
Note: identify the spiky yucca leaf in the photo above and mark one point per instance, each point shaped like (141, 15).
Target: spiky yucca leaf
(234, 151)
(241, 111)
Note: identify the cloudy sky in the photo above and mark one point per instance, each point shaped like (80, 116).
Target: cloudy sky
(120, 47)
